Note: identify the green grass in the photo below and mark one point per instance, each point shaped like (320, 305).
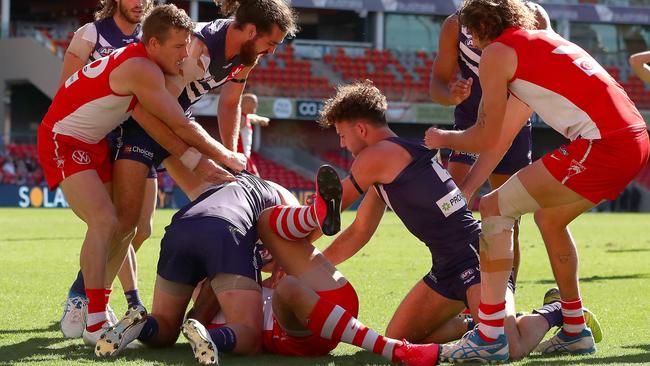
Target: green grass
(39, 251)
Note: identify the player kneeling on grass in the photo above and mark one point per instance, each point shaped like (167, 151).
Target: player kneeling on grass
(403, 174)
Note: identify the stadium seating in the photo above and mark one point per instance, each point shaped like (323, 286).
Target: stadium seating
(273, 171)
(24, 158)
(336, 157)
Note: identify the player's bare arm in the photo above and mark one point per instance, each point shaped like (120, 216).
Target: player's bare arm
(229, 112)
(516, 115)
(639, 63)
(441, 89)
(357, 235)
(498, 64)
(143, 79)
(372, 167)
(77, 54)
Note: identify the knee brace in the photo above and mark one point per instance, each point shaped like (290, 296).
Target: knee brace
(514, 199)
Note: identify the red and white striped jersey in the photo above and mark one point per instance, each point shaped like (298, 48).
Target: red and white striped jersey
(567, 87)
(85, 107)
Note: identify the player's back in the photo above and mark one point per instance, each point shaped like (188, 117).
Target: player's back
(85, 106)
(220, 70)
(567, 87)
(240, 202)
(431, 206)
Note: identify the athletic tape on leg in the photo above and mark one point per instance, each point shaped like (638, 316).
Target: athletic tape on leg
(496, 245)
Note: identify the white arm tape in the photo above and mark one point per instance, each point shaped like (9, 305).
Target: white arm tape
(191, 158)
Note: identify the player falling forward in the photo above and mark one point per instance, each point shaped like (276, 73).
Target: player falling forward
(609, 146)
(92, 102)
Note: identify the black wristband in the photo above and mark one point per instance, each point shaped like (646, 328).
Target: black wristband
(240, 81)
(355, 184)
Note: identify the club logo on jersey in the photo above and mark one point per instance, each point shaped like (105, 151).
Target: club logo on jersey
(575, 168)
(105, 51)
(451, 202)
(81, 157)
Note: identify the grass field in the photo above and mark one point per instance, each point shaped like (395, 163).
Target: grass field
(39, 252)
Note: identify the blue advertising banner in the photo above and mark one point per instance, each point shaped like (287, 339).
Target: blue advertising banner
(12, 195)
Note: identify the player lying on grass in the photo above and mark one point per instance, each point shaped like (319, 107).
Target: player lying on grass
(403, 174)
(190, 252)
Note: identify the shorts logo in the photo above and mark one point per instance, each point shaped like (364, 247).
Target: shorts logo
(466, 274)
(59, 162)
(81, 157)
(432, 277)
(563, 151)
(575, 168)
(128, 149)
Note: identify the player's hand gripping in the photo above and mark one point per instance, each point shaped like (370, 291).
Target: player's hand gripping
(236, 161)
(434, 138)
(460, 89)
(210, 172)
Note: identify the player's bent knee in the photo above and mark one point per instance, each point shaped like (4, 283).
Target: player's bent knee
(489, 205)
(289, 289)
(514, 200)
(104, 219)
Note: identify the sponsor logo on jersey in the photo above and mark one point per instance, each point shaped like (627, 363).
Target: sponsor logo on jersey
(81, 157)
(105, 51)
(451, 202)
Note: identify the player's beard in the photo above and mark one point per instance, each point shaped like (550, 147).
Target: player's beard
(247, 53)
(126, 14)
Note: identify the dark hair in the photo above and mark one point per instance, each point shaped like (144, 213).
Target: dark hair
(161, 19)
(359, 100)
(109, 7)
(262, 13)
(489, 18)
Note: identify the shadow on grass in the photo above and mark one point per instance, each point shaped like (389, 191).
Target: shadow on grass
(638, 358)
(633, 250)
(593, 279)
(51, 350)
(54, 326)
